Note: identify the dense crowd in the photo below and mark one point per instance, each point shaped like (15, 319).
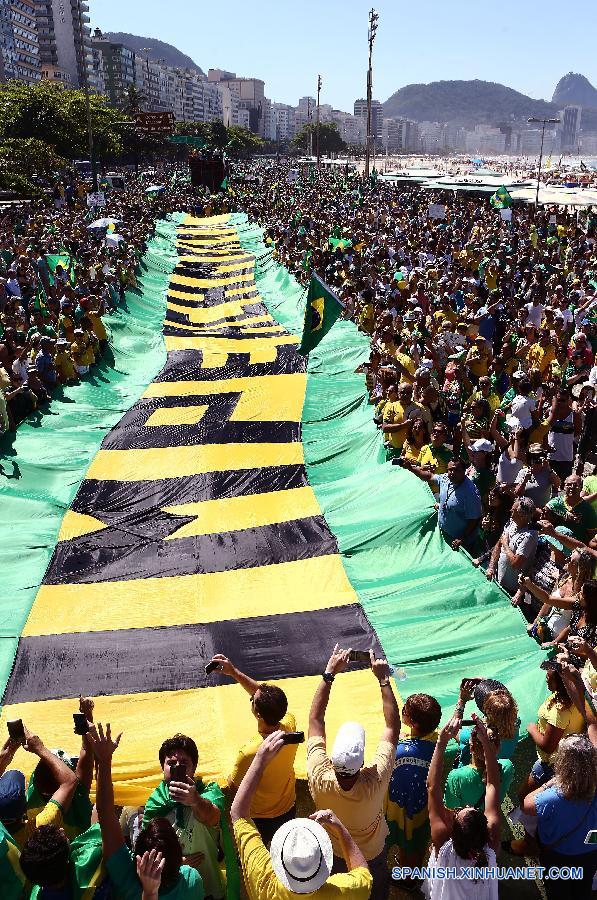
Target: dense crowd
(61, 278)
(481, 379)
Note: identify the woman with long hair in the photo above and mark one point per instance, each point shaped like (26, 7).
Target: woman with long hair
(583, 623)
(566, 812)
(556, 612)
(463, 837)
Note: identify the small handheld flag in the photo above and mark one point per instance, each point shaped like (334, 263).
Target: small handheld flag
(322, 310)
(501, 199)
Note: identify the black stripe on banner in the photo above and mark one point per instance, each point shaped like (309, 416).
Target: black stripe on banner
(138, 550)
(111, 502)
(249, 310)
(181, 365)
(135, 661)
(232, 332)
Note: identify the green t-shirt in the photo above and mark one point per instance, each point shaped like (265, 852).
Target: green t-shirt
(87, 870)
(12, 879)
(590, 487)
(44, 330)
(465, 787)
(122, 870)
(581, 520)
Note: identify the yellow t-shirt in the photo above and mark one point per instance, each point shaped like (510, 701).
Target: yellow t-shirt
(567, 718)
(261, 882)
(51, 814)
(64, 366)
(407, 362)
(393, 413)
(275, 794)
(361, 809)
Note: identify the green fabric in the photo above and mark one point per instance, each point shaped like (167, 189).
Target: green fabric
(160, 803)
(321, 311)
(12, 879)
(87, 870)
(435, 614)
(42, 465)
(465, 787)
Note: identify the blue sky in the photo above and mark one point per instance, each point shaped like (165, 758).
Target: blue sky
(525, 44)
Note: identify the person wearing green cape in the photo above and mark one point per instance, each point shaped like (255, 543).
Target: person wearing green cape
(197, 812)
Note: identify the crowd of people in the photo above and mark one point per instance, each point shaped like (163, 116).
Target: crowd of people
(194, 839)
(481, 379)
(61, 279)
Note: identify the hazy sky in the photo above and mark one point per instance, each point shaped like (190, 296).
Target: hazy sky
(525, 44)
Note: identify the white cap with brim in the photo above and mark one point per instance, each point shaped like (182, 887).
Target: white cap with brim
(302, 855)
(348, 752)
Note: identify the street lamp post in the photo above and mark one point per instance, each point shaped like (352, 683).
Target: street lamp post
(373, 20)
(309, 124)
(318, 122)
(543, 122)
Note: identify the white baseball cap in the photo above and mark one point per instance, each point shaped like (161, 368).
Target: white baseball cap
(348, 752)
(302, 855)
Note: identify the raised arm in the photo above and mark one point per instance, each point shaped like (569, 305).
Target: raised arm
(65, 777)
(391, 714)
(228, 668)
(84, 770)
(103, 749)
(336, 663)
(440, 818)
(492, 789)
(270, 747)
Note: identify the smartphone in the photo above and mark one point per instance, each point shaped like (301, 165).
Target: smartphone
(293, 737)
(551, 665)
(16, 730)
(362, 656)
(178, 773)
(211, 667)
(591, 837)
(80, 720)
(468, 722)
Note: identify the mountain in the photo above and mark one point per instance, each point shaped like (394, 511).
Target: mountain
(575, 90)
(463, 102)
(157, 49)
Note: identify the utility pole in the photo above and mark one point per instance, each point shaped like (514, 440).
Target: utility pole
(309, 123)
(318, 121)
(373, 21)
(534, 121)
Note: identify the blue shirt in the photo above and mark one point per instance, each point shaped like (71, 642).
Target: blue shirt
(568, 819)
(457, 505)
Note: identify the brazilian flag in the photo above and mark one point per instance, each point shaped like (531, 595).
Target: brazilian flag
(501, 199)
(322, 310)
(39, 303)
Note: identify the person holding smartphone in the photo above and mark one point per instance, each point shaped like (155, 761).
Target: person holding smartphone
(274, 800)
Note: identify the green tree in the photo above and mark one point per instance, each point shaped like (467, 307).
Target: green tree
(329, 138)
(241, 141)
(58, 117)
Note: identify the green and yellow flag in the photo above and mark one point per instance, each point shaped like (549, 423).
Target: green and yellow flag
(501, 199)
(322, 310)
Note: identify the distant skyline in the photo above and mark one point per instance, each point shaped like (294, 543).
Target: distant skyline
(525, 46)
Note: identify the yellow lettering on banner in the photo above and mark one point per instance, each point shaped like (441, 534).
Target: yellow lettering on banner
(225, 345)
(265, 398)
(150, 464)
(237, 513)
(177, 415)
(76, 525)
(305, 584)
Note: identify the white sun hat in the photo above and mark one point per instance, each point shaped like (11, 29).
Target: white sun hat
(348, 752)
(302, 855)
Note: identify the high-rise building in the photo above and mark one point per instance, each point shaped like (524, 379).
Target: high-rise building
(119, 67)
(251, 95)
(65, 39)
(360, 111)
(284, 122)
(19, 44)
(570, 128)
